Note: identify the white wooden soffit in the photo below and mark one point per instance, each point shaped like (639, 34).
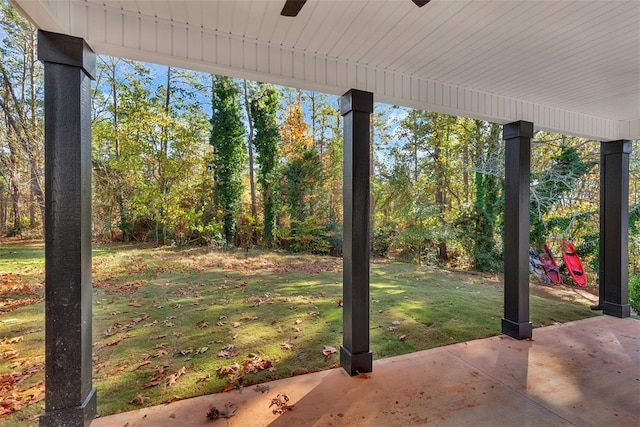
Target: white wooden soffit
(568, 66)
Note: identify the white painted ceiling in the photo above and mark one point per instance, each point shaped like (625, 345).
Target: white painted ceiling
(568, 66)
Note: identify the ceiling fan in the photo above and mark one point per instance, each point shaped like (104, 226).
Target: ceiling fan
(293, 7)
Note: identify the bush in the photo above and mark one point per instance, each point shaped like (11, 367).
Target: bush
(634, 293)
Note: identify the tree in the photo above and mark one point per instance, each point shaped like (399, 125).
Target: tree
(227, 139)
(20, 105)
(264, 107)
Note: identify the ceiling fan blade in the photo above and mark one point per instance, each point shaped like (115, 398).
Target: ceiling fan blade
(420, 3)
(292, 7)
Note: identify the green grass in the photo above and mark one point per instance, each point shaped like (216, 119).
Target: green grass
(276, 306)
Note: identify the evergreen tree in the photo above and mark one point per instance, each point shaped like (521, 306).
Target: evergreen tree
(227, 139)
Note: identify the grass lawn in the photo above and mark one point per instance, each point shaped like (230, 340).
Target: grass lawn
(175, 323)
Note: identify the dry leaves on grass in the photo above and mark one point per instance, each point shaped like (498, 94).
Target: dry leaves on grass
(12, 398)
(202, 324)
(252, 364)
(13, 340)
(159, 376)
(9, 354)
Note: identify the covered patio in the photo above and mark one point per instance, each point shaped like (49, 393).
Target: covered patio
(583, 373)
(567, 67)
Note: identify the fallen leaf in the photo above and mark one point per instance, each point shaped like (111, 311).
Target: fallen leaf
(204, 378)
(160, 369)
(213, 413)
(9, 354)
(202, 324)
(262, 388)
(186, 351)
(176, 334)
(220, 323)
(161, 336)
(229, 410)
(161, 353)
(229, 369)
(13, 340)
(154, 382)
(202, 350)
(298, 321)
(171, 379)
(145, 363)
(286, 346)
(402, 337)
(173, 399)
(281, 402)
(236, 324)
(328, 350)
(161, 345)
(395, 322)
(169, 324)
(139, 399)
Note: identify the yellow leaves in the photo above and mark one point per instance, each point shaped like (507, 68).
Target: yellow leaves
(294, 132)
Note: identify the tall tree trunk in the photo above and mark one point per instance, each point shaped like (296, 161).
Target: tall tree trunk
(440, 191)
(252, 180)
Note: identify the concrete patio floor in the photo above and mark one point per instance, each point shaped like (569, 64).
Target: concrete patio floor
(583, 373)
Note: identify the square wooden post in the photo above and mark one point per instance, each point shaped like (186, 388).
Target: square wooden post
(356, 108)
(69, 67)
(614, 228)
(517, 137)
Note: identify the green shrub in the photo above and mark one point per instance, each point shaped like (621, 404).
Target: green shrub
(634, 293)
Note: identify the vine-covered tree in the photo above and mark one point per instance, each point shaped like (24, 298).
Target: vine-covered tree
(227, 140)
(264, 108)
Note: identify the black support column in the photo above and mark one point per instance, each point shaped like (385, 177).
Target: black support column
(614, 228)
(355, 356)
(69, 67)
(517, 138)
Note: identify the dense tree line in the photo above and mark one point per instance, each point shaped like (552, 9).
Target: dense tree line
(181, 157)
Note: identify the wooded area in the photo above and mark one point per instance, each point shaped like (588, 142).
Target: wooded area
(186, 158)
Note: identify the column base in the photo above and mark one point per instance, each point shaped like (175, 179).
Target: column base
(76, 416)
(355, 364)
(519, 331)
(617, 310)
